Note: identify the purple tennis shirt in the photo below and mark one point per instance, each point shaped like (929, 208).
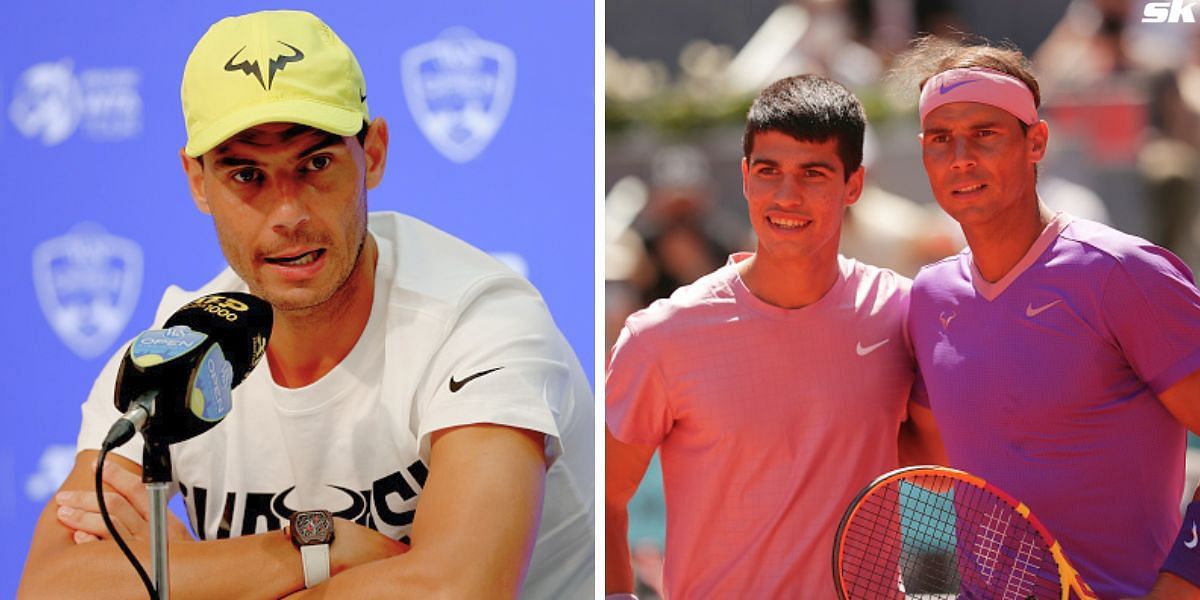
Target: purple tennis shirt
(1045, 384)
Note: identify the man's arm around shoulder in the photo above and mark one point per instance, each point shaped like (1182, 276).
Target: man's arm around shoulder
(920, 441)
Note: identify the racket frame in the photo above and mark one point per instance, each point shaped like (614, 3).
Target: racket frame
(1069, 578)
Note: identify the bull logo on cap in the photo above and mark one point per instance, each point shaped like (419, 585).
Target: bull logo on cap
(275, 64)
(459, 88)
(87, 283)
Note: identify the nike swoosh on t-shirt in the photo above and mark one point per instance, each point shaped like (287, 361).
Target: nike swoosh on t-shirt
(863, 351)
(457, 385)
(1030, 311)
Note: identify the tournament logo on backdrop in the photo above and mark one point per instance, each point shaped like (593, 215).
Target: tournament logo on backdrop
(47, 103)
(87, 283)
(112, 104)
(459, 88)
(50, 103)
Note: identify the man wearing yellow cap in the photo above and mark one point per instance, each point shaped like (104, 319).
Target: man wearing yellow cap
(417, 396)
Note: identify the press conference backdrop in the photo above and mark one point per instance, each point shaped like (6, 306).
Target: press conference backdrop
(490, 109)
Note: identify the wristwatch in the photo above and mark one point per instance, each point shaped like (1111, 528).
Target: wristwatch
(312, 533)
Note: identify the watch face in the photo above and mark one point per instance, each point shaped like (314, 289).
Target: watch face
(312, 527)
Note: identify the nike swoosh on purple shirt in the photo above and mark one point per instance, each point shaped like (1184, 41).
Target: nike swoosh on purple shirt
(944, 88)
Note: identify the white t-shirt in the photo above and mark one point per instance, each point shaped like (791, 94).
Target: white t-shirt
(356, 442)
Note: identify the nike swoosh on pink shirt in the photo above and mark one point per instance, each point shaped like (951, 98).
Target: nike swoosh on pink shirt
(863, 351)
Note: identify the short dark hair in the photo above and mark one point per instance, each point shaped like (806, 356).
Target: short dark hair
(361, 136)
(996, 58)
(810, 108)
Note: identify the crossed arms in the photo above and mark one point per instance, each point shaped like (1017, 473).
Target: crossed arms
(472, 537)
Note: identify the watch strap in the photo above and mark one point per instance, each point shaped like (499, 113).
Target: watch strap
(315, 559)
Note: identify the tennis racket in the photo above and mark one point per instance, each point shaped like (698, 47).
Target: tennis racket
(935, 532)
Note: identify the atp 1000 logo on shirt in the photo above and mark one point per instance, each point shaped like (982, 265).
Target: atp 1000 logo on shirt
(87, 283)
(51, 101)
(459, 88)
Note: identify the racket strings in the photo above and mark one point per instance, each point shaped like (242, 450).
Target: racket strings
(987, 546)
(935, 536)
(1024, 576)
(1010, 559)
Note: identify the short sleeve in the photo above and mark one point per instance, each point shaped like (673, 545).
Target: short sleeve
(635, 394)
(1153, 309)
(100, 412)
(503, 361)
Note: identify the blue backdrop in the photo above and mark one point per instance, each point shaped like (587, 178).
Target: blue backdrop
(98, 221)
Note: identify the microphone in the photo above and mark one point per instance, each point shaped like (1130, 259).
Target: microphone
(176, 382)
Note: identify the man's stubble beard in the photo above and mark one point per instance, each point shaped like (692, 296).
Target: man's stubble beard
(327, 303)
(306, 308)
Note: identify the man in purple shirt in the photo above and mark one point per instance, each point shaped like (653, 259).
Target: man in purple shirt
(1061, 357)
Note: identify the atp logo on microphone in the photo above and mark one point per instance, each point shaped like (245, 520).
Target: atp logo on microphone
(221, 306)
(459, 88)
(87, 283)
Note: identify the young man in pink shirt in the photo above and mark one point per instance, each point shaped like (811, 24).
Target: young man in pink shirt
(775, 387)
(1061, 357)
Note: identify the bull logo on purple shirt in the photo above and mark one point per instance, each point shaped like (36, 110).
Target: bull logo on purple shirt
(945, 317)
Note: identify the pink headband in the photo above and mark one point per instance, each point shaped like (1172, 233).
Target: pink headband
(979, 85)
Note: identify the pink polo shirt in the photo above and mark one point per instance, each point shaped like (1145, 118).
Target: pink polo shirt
(768, 421)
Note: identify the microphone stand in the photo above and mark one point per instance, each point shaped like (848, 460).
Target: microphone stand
(156, 474)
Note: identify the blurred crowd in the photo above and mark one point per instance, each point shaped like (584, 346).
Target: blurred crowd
(1122, 98)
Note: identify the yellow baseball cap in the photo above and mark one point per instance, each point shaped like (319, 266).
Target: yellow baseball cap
(271, 66)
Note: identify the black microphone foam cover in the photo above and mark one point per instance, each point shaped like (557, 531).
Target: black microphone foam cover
(204, 350)
(239, 322)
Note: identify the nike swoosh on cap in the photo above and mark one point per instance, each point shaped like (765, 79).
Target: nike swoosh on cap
(457, 385)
